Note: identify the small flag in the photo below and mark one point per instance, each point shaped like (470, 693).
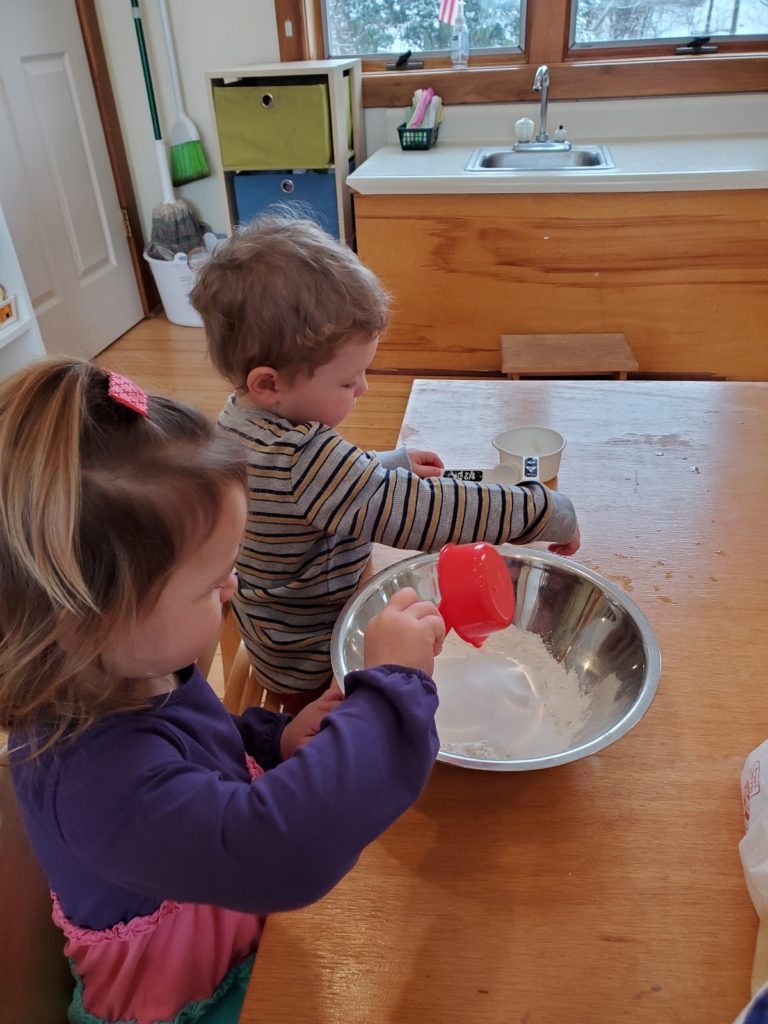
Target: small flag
(447, 11)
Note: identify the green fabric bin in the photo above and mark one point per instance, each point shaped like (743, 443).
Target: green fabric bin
(273, 127)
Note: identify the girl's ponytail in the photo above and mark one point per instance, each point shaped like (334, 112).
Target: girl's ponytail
(41, 420)
(100, 499)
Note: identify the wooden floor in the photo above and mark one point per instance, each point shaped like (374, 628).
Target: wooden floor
(171, 360)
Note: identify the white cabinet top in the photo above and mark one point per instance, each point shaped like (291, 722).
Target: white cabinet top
(641, 165)
(288, 68)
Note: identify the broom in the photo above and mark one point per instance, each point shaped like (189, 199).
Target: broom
(175, 228)
(188, 161)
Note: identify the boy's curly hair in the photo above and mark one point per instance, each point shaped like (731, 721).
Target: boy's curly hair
(282, 292)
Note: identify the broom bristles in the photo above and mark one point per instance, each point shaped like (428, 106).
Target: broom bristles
(188, 162)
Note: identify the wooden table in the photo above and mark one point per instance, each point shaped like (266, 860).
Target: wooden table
(608, 890)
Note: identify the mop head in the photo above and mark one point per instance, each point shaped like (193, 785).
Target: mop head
(175, 228)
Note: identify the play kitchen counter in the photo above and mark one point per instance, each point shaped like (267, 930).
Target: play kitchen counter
(669, 248)
(608, 890)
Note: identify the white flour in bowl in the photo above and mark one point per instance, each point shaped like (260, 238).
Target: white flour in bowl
(510, 699)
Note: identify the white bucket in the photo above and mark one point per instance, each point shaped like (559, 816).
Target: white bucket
(175, 280)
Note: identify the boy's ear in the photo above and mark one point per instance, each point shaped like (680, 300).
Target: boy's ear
(263, 386)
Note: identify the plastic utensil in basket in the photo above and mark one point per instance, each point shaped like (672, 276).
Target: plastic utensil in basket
(476, 593)
(417, 138)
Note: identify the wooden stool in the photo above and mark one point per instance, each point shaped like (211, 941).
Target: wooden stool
(566, 355)
(243, 688)
(37, 981)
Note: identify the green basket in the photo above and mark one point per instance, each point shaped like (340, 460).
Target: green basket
(417, 138)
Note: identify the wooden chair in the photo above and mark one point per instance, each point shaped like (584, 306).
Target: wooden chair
(242, 688)
(36, 985)
(566, 355)
(227, 643)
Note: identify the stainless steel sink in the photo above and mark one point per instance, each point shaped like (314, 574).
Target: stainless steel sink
(577, 158)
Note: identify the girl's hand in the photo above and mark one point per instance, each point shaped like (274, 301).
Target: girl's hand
(408, 632)
(570, 548)
(306, 724)
(425, 464)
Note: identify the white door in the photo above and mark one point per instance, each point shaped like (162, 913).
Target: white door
(56, 186)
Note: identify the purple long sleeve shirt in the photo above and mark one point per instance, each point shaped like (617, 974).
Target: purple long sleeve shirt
(158, 804)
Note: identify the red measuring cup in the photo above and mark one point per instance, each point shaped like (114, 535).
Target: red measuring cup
(476, 593)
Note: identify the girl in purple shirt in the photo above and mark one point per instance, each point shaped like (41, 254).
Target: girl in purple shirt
(166, 826)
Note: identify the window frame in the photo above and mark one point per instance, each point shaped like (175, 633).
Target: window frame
(579, 72)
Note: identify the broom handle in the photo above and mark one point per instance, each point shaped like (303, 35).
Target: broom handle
(165, 174)
(168, 36)
(145, 69)
(160, 154)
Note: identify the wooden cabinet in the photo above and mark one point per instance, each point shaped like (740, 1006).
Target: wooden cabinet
(290, 133)
(684, 275)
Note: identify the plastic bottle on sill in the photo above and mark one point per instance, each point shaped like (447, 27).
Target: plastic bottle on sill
(460, 39)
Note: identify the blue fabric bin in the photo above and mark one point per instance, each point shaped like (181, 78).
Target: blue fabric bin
(313, 191)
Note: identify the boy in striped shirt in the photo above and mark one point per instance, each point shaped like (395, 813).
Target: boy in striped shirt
(292, 320)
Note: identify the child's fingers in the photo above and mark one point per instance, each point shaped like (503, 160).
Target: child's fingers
(403, 599)
(431, 459)
(330, 698)
(437, 630)
(422, 610)
(438, 626)
(565, 549)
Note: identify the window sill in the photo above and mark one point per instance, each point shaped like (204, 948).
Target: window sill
(582, 79)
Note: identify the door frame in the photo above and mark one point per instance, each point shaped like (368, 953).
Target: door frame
(105, 99)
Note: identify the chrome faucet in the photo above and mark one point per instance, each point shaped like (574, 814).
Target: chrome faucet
(541, 84)
(541, 141)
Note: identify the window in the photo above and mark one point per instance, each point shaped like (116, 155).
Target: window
(594, 48)
(387, 27)
(371, 27)
(617, 22)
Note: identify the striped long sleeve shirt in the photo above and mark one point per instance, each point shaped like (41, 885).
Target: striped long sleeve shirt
(317, 503)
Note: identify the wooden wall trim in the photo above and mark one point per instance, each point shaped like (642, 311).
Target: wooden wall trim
(305, 20)
(105, 99)
(583, 79)
(292, 16)
(547, 37)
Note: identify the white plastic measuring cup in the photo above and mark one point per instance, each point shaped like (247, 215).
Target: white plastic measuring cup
(533, 452)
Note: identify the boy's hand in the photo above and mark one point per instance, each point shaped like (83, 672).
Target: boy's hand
(306, 724)
(425, 464)
(408, 632)
(570, 548)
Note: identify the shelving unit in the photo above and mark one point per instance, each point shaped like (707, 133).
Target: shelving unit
(20, 339)
(289, 133)
(10, 332)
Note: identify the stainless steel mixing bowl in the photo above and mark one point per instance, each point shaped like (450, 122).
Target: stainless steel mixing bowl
(586, 623)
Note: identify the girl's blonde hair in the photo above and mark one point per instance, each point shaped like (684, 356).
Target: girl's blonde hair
(98, 504)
